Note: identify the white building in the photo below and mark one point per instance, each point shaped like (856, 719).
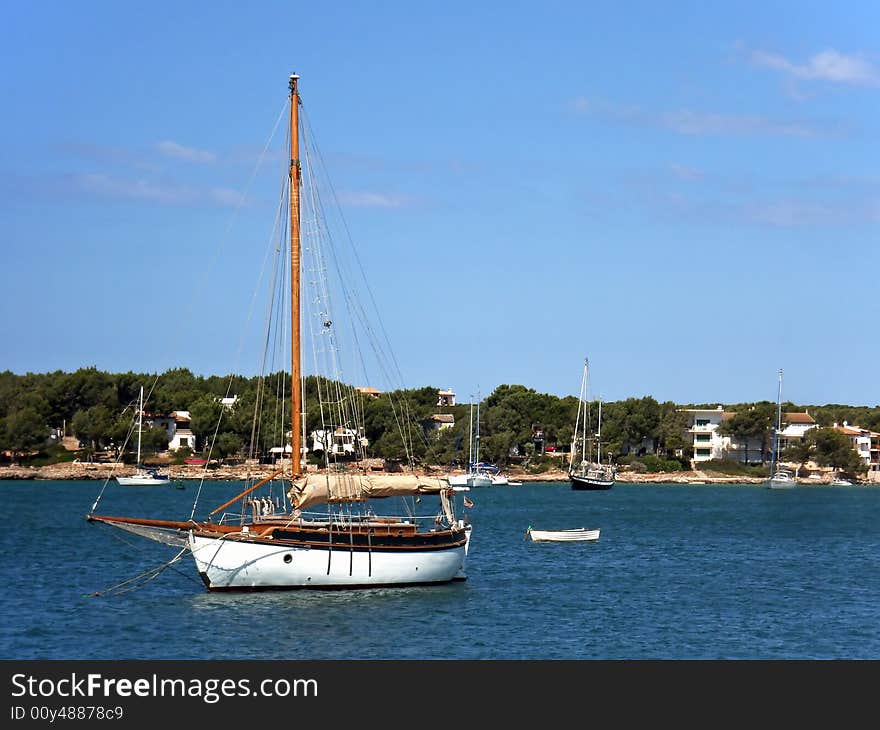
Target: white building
(439, 421)
(446, 397)
(341, 442)
(177, 427)
(754, 449)
(281, 453)
(861, 440)
(794, 427)
(181, 436)
(369, 392)
(703, 425)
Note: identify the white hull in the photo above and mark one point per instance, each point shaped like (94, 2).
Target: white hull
(142, 480)
(469, 480)
(577, 535)
(234, 565)
(776, 484)
(499, 480)
(782, 480)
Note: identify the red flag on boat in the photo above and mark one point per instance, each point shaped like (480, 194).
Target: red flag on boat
(468, 503)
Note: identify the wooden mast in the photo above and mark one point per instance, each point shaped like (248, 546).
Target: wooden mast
(295, 375)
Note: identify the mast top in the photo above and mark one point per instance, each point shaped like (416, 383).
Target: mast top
(293, 79)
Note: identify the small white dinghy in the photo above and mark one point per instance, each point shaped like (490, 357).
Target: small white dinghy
(579, 534)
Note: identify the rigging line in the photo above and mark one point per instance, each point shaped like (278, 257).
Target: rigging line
(332, 411)
(356, 312)
(249, 316)
(143, 578)
(206, 270)
(320, 284)
(266, 258)
(279, 279)
(355, 253)
(311, 240)
(121, 454)
(278, 258)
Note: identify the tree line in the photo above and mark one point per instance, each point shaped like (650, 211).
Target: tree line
(517, 424)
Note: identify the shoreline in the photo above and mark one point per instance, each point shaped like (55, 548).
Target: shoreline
(187, 472)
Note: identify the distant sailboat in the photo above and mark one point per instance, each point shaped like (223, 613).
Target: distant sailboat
(475, 476)
(587, 474)
(143, 476)
(779, 478)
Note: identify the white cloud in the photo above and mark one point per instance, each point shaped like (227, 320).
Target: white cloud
(695, 123)
(189, 154)
(825, 66)
(226, 197)
(108, 186)
(805, 213)
(687, 122)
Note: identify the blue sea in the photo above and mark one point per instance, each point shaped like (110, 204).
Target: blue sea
(680, 572)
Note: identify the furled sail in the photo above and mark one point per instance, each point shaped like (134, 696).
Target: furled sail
(314, 489)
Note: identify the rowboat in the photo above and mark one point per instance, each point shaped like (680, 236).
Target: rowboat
(579, 534)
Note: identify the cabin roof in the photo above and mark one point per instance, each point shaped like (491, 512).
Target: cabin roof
(799, 418)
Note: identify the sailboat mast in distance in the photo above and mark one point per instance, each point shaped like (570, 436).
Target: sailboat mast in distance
(778, 421)
(779, 478)
(140, 423)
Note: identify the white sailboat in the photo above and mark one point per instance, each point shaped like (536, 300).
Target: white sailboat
(476, 475)
(587, 474)
(780, 478)
(143, 476)
(325, 531)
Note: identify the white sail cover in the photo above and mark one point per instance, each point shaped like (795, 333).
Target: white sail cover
(314, 489)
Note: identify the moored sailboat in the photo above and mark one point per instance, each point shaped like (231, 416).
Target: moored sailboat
(143, 476)
(476, 474)
(587, 474)
(780, 478)
(325, 531)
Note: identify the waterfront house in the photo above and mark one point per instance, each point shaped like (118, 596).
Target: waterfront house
(703, 428)
(865, 443)
(794, 428)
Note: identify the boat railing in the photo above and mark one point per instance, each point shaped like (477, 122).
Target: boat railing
(319, 518)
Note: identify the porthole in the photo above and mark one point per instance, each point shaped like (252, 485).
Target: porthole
(288, 557)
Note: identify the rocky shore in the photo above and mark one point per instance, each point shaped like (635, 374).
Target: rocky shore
(99, 471)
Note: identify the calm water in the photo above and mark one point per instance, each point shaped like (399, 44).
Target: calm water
(680, 572)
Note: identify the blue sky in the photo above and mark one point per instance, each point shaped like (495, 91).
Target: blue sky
(687, 195)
